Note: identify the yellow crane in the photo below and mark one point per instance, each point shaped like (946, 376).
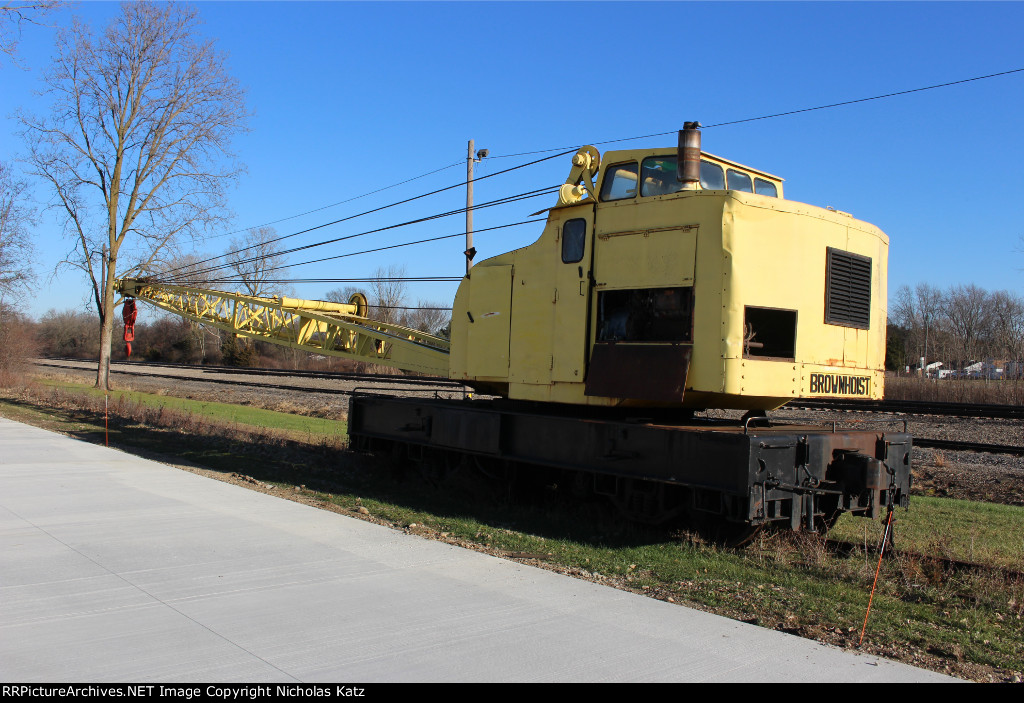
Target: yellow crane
(664, 281)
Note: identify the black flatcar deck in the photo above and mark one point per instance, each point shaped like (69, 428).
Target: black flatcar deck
(652, 468)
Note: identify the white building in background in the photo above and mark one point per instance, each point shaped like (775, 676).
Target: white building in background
(991, 369)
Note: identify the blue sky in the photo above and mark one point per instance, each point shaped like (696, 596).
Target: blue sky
(350, 97)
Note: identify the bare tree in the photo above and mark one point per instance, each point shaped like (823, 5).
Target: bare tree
(257, 262)
(17, 343)
(429, 316)
(137, 147)
(917, 311)
(969, 314)
(1008, 324)
(15, 14)
(388, 291)
(15, 241)
(342, 295)
(192, 270)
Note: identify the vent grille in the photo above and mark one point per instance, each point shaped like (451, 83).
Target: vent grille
(848, 289)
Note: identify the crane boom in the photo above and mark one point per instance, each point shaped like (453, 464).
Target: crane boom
(316, 326)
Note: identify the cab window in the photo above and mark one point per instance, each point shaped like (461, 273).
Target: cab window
(712, 177)
(659, 176)
(619, 182)
(574, 240)
(763, 187)
(739, 181)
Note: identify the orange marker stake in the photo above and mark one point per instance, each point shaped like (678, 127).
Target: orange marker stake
(885, 540)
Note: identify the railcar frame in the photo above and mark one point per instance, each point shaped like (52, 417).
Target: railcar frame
(744, 473)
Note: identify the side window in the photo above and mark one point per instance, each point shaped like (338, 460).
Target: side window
(763, 187)
(739, 181)
(659, 176)
(574, 240)
(712, 177)
(619, 182)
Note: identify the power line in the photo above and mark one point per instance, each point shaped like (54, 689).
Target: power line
(413, 279)
(864, 100)
(563, 151)
(340, 202)
(377, 209)
(406, 307)
(393, 246)
(778, 114)
(500, 201)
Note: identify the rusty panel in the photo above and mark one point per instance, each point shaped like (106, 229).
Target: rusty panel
(655, 372)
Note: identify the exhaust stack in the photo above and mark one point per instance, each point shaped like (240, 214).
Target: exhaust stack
(688, 158)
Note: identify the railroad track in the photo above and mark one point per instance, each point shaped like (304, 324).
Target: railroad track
(955, 446)
(205, 375)
(912, 407)
(401, 383)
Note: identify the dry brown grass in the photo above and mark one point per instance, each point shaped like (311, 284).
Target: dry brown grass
(1006, 392)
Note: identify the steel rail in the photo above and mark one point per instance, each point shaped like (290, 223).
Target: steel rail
(956, 446)
(911, 407)
(328, 375)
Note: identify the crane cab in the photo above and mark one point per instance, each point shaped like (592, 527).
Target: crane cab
(646, 291)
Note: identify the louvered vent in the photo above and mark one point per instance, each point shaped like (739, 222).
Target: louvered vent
(848, 289)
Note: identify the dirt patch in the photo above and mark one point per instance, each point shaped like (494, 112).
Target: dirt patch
(993, 478)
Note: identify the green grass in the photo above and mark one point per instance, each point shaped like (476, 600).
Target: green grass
(218, 412)
(987, 533)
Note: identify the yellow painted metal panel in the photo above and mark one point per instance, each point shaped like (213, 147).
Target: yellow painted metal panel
(646, 258)
(533, 309)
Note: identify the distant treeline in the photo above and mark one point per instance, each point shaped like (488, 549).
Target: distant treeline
(958, 326)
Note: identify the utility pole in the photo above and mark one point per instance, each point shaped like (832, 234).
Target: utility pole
(471, 157)
(470, 251)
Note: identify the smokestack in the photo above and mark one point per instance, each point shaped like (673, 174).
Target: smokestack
(688, 158)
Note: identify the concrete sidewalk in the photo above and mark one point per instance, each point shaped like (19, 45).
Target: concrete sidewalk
(114, 568)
